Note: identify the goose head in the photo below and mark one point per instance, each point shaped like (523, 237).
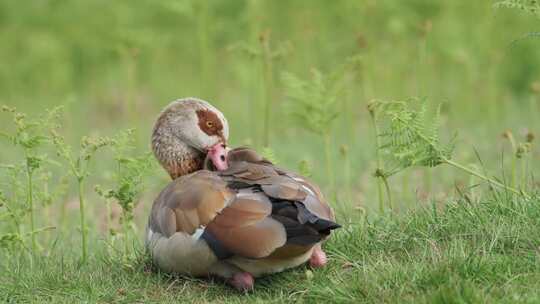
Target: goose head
(186, 132)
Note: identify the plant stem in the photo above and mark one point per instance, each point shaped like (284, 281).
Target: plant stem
(379, 159)
(524, 162)
(109, 220)
(388, 193)
(380, 194)
(328, 161)
(422, 51)
(30, 202)
(510, 137)
(268, 84)
(514, 173)
(348, 177)
(14, 218)
(131, 79)
(126, 237)
(83, 221)
(207, 81)
(481, 176)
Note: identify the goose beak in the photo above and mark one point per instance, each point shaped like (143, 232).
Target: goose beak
(218, 155)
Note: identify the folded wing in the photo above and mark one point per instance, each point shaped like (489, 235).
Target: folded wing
(252, 209)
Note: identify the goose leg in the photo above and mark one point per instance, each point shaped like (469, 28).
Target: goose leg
(318, 257)
(234, 276)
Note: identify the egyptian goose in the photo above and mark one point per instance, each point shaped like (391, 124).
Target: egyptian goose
(228, 213)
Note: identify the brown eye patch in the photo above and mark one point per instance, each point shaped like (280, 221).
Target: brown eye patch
(209, 122)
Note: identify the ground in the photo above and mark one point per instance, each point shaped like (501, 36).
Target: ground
(464, 252)
(447, 238)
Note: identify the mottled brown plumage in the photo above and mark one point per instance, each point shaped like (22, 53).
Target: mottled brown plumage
(251, 218)
(236, 206)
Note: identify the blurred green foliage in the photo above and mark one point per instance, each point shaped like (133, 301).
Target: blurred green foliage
(95, 51)
(114, 65)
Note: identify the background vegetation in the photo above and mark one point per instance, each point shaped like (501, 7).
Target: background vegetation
(112, 66)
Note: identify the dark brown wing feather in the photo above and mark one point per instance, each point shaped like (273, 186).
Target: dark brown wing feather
(246, 228)
(296, 203)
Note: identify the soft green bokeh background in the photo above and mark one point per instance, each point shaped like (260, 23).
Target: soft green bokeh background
(115, 64)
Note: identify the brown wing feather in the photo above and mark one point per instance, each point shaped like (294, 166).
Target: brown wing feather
(249, 168)
(242, 219)
(316, 204)
(297, 204)
(239, 221)
(189, 202)
(245, 228)
(246, 154)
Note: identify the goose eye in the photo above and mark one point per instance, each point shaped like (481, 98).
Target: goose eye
(209, 124)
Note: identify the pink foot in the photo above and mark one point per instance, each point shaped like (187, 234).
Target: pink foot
(242, 281)
(318, 258)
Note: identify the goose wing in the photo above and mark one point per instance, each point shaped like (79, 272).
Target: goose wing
(232, 223)
(253, 209)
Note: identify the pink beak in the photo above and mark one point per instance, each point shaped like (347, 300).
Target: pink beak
(218, 155)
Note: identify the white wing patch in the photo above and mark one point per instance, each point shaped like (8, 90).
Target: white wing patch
(198, 232)
(304, 186)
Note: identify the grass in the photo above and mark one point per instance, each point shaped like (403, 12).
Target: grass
(446, 240)
(460, 252)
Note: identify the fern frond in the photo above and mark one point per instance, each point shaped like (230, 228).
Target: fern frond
(409, 139)
(313, 100)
